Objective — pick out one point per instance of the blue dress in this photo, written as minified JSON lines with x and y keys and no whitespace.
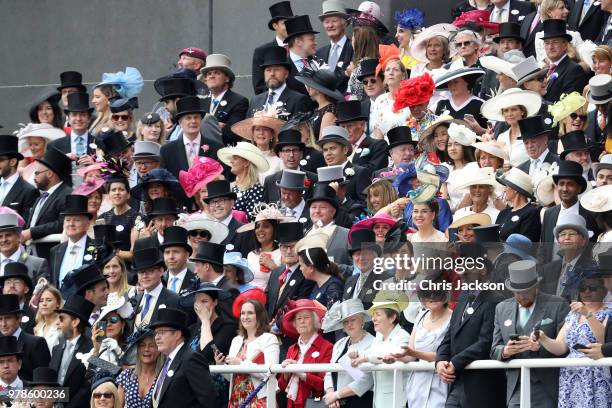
{"x":130,"y":385}
{"x":588,"y":387}
{"x":329,"y":293}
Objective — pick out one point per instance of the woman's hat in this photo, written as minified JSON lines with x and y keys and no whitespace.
{"x":209,"y":252}
{"x":147,"y":258}
{"x":544,"y":184}
{"x":44,"y":130}
{"x":573,"y":142}
{"x":200,"y":221}
{"x":264,"y":211}
{"x":598,"y":200}
{"x":292,"y":180}
{"x":279,"y":11}
{"x":323,"y":80}
{"x":509,"y":30}
{"x":9,"y":146}
{"x":400,"y":135}
{"x":527,"y":70}
{"x":124,"y":104}
{"x":492,"y":109}
{"x":323,"y":192}
{"x":600,"y":91}
{"x":78,"y":102}
{"x":83,"y":171}
{"x":118,"y":304}
{"x":57,"y":162}
{"x":418,"y":47}
{"x":112,"y":141}
{"x":163,"y":206}
{"x":43,"y":376}
{"x":203,"y":171}
{"x":481,"y":176}
{"x":377,"y":219}
{"x":290,"y":232}
{"x":567,"y":104}
{"x":477,"y":19}
{"x":492,"y":147}
{"x":9,"y":347}
{"x":158,"y":175}
{"x":571,"y":221}
{"x":172,"y":87}
{"x":573,"y":170}
{"x":503,"y":65}
{"x":247,"y":151}
{"x":251,"y":294}
{"x":275,"y":55}
{"x":176,"y":236}
{"x":554,"y":28}
{"x":87,"y":275}
{"x":293,"y":308}
{"x":333,"y":8}
{"x":220,"y":62}
{"x":17,"y":270}
{"x":361,"y":239}
{"x":71,"y":79}
{"x":519,"y":181}
{"x":236,"y":260}
{"x":78,"y":307}
{"x":187,"y":296}
{"x":335,"y":134}
{"x":519,"y":245}
{"x":368,"y":14}
{"x":218,"y":189}
{"x":413,"y":92}
{"x":462,"y":134}
{"x":130,"y":356}
{"x":169,"y":317}
{"x":188,"y":105}
{"x":341,"y":311}
{"x":76,"y":205}
{"x":312,"y":241}
{"x":350,"y":111}
{"x":269,"y":117}
{"x":397,"y":301}
{"x":51,"y":95}
{"x":470,"y":218}
{"x":427,"y":135}
{"x":454,"y":72}
{"x":532,"y":127}
{"x":298,"y":25}
{"x":522,"y":276}
{"x":289,"y":137}
{"x":150,"y":118}
{"x":367,"y":67}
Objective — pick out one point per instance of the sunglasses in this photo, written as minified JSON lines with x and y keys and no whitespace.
{"x":590,"y":288}
{"x":113,"y":320}
{"x":120,"y":117}
{"x":463,"y":44}
{"x":106,"y":395}
{"x":199,"y":233}
{"x":370,"y":81}
{"x":575,"y":116}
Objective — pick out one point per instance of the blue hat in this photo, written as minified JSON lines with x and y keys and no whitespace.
{"x":236,"y":260}
{"x":519,"y":245}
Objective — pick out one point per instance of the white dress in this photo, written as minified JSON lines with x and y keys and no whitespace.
{"x":384,"y":117}
{"x":516,"y":151}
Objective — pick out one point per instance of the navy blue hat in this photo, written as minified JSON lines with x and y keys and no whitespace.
{"x":123,"y":104}
{"x":156,"y":176}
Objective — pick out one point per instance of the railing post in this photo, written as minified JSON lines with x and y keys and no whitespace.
{"x":525,"y":387}
{"x":271,"y":392}
{"x":398,"y":388}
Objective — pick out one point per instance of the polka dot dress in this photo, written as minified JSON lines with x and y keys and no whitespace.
{"x":130,"y":385}
{"x":246,"y":200}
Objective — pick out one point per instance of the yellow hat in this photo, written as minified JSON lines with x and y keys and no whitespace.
{"x":397,"y":301}
{"x":568,"y":104}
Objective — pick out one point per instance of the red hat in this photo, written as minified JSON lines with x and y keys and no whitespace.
{"x":251,"y":294}
{"x":413,"y":92}
{"x":194,"y":52}
{"x":293,"y":307}
{"x":477,"y":17}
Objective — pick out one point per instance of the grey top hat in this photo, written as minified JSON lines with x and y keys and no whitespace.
{"x":150,"y":150}
{"x":333,"y":8}
{"x":9,"y":222}
{"x":522,"y":276}
{"x":330,"y":173}
{"x":601,"y":89}
{"x":571,"y":221}
{"x":527,"y":70}
{"x":220,"y":62}
{"x":335,"y":134}
{"x":341,"y":311}
{"x":292,"y":180}
{"x":604,"y":163}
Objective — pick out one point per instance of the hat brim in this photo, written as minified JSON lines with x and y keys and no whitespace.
{"x":603,"y":101}
{"x":418,"y":46}
{"x":492,"y":109}
{"x":62,"y":175}
{"x":466,"y":73}
{"x":92,"y":282}
{"x":598,"y":200}
{"x":582,"y":230}
{"x":332,"y":202}
{"x":278,"y":146}
{"x":492,"y":150}
{"x":369,"y":245}
{"x":297,"y":188}
{"x":565,"y":152}
{"x":158,"y":263}
{"x":281,"y":63}
{"x":338,"y":326}
{"x":333,"y":14}
{"x":244,"y":128}
{"x":275,"y":19}
{"x":179,"y":115}
{"x":497,"y":39}
{"x":251,"y":225}
{"x":24,"y":278}
{"x":74,"y":314}
{"x":332,"y":93}
{"x":222,"y":68}
{"x":537,"y":74}
{"x":472,"y":219}
{"x":187,"y":298}
{"x":337,"y":139}
{"x":287,"y":326}
{"x":185,"y":245}
{"x":524,"y":287}
{"x":173,"y":325}
{"x":218,"y":231}
{"x":258,"y":160}
{"x":11,"y":312}
{"x":579,"y":179}
{"x":515,"y":187}
{"x":568,"y":37}
{"x":67,"y":110}
{"x":80,"y":86}
{"x":84,"y":213}
{"x":211,"y":261}
{"x":139,"y":188}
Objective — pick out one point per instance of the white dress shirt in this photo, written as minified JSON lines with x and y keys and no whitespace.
{"x":14,"y":257}
{"x":534,"y":165}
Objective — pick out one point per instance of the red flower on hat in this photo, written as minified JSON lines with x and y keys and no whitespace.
{"x":203,"y":171}
{"x":477,"y":17}
{"x":413,"y":92}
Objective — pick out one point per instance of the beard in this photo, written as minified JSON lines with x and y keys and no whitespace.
{"x":42,"y":184}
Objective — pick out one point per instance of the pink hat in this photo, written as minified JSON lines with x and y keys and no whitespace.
{"x":7,"y":210}
{"x":203,"y":171}
{"x":88,"y":187}
{"x":84,"y":170}
{"x":369,"y":223}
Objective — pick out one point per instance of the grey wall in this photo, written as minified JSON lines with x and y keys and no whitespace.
{"x":41,"y":38}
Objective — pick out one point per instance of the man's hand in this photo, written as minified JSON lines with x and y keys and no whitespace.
{"x":26,"y":235}
{"x":446,"y":371}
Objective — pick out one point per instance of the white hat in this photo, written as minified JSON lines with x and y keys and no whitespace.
{"x":461,"y":134}
{"x":544,"y":183}
{"x":503,"y":65}
{"x":419,"y":43}
{"x":313,"y":240}
{"x":482,"y":176}
{"x":341,"y":311}
{"x":598,"y":200}
{"x":264,"y":211}
{"x":248,"y":152}
{"x":519,"y":181}
{"x":493,"y":147}
{"x":44,"y":130}
{"x":461,"y":219}
{"x":118,"y":304}
{"x":492,"y":109}
{"x":199,"y":221}
{"x":220,"y":62}
{"x":333,"y":8}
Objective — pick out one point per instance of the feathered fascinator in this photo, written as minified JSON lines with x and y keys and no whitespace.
{"x":203,"y":171}
{"x":479,"y":18}
{"x":114,"y":169}
{"x":411,"y":19}
{"x":413,"y":92}
{"x":387,"y":53}
{"x":127,"y":84}
{"x":567,"y":104}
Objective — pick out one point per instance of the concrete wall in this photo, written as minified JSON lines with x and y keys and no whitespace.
{"x":41,"y":38}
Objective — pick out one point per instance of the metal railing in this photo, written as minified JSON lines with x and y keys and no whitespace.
{"x":525,"y":365}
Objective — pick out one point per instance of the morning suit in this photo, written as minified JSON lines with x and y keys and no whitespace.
{"x":358,"y":182}
{"x":56,"y":258}
{"x":75,"y":380}
{"x":271,"y":192}
{"x":166,"y":297}
{"x":344,"y":60}
{"x":174,"y":156}
{"x":21,"y":197}
{"x":517,"y":11}
{"x":590,"y":25}
{"x":374,"y":158}
{"x":258,"y":80}
{"x":293,"y":102}
{"x":64,"y":144}
{"x":35,"y":354}
{"x":566,"y":78}
{"x":231,"y":109}
{"x":549,"y":158}
{"x":337,"y":246}
{"x":296,"y":287}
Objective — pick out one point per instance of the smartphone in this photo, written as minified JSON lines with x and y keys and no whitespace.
{"x":101,"y":326}
{"x":515,"y":337}
{"x":468,"y":116}
{"x":579,"y":346}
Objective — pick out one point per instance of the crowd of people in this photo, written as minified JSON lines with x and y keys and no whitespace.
{"x":139,"y":250}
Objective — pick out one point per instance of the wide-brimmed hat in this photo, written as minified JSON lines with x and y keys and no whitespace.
{"x":83,"y":171}
{"x":275,"y":55}
{"x":575,"y":222}
{"x":419,"y":43}
{"x":600,"y":91}
{"x":492,"y":147}
{"x":349,"y":111}
{"x":376,"y":219}
{"x":202,"y":171}
{"x":71,"y":79}
{"x":43,"y":376}
{"x":519,"y":245}
{"x":462,"y":134}
{"x":9,"y":146}
{"x":522,"y":276}
{"x":509,"y":30}
{"x":176,"y":236}
{"x":527,"y":70}
{"x":9,"y":222}
{"x":112,"y":141}
{"x":544,"y":183}
{"x":400,"y":135}
{"x":367,"y":67}
{"x":209,"y":252}
{"x":118,"y":304}
{"x":312,"y":241}
{"x":477,"y":19}
{"x":458,"y":71}
{"x":130,"y":355}
{"x":503,"y":65}
{"x":199,"y":221}
{"x":78,"y":307}
{"x":9,"y":347}
{"x":323,"y":192}
{"x":427,"y":134}
{"x":250,"y":294}
{"x":247,"y":151}
{"x":519,"y":181}
{"x":159,"y":175}
{"x":598,"y":200}
{"x":76,"y":205}
{"x":470,"y":218}
{"x":292,"y":180}
{"x":573,"y":142}
{"x":17,"y":270}
{"x":289,"y":137}
{"x":333,"y":8}
{"x":171,"y":87}
{"x":44,"y":130}
{"x":170,"y":317}
{"x":163,"y":206}
{"x":335,"y":134}
{"x":290,"y":232}
{"x":86,"y":276}
{"x":341,"y":311}
{"x":51,"y":95}
{"x":565,"y":106}
{"x":220,"y":62}
{"x":144,"y":149}
{"x":492,"y":109}
{"x":323,"y":80}
{"x":267,"y":117}
{"x":554,"y":28}
{"x":188,"y":105}
{"x":480,"y":176}
{"x":361,"y":239}
{"x":187,"y":296}
{"x":604,"y":163}
{"x":57,"y":162}
{"x":294,"y":307}
{"x":78,"y":102}
{"x":264,"y":211}
{"x":147,"y":258}
{"x":218,"y":189}
{"x":397,"y":301}
{"x":298,"y":25}
{"x":279,"y":11}
{"x":573,"y":170}
{"x":236,"y":260}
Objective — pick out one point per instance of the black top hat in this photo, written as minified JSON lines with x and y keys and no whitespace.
{"x":279,"y":11}
{"x":169,"y":317}
{"x":106,"y":234}
{"x":147,"y":258}
{"x":290,"y":232}
{"x":78,"y":102}
{"x":19,"y":271}
{"x":298,"y":25}
{"x":209,"y":252}
{"x":487,"y":233}
{"x":163,"y":206}
{"x":57,"y":162}
{"x":275,"y":55}
{"x":573,"y":142}
{"x":79,"y":307}
{"x":400,"y":135}
{"x":71,"y":79}
{"x":171,"y":88}
{"x":218,"y":189}
{"x":112,"y":141}
{"x":532,"y":127}
{"x":364,"y":239}
{"x":44,"y":376}
{"x":176,"y":236}
{"x":8,"y":346}
{"x":9,"y":304}
{"x":188,"y":105}
{"x":323,"y":192}
{"x":76,"y":205}
{"x":289,"y":137}
{"x":573,"y":170}
{"x":9,"y":146}
{"x":509,"y":30}
{"x":555,"y":28}
{"x":292,"y":180}
{"x":323,"y":80}
{"x":368,"y":67}
{"x":349,"y":111}
{"x":86,"y":276}
{"x":124,"y":104}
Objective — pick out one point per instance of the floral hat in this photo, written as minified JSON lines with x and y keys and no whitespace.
{"x":203,"y":170}
{"x":270,"y":117}
{"x":265,"y":211}
{"x":413,"y":92}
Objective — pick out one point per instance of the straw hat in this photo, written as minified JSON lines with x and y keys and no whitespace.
{"x":419,"y":43}
{"x":492,"y":147}
{"x":519,"y":181}
{"x":248,"y":152}
{"x":567,"y":104}
{"x":470,"y":218}
{"x":482,"y":176}
{"x":199,"y":221}
{"x":341,"y":311}
{"x":397,"y":301}
{"x":598,"y":200}
{"x":44,"y":130}
{"x":264,"y":211}
{"x":492,"y":109}
{"x":267,"y":118}
{"x":311,"y":241}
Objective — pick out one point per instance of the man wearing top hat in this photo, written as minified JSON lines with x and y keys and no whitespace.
{"x":529,"y":309}
{"x":276,"y":70}
{"x":15,"y":192}
{"x":92,"y":285}
{"x":223,"y":103}
{"x":77,"y":250}
{"x":16,"y":281}
{"x":73,"y":321}
{"x":373,"y":86}
{"x":535,"y":139}
{"x":11,"y":360}
{"x":301,"y":42}
{"x":148,"y":263}
{"x":44,"y":378}
{"x":575,"y":148}
{"x":77,"y":145}
{"x":163,"y":214}
{"x":279,"y":12}
{"x":339,"y":52}
{"x":564,"y":75}
{"x":600,"y":95}
{"x":176,"y":250}
{"x":586,"y":17}
{"x":70,"y":82}
{"x":34,"y":348}
{"x":146,"y":158}
{"x":12,"y":251}
{"x":292,"y":186}
{"x":52,"y":178}
{"x":401,"y":149}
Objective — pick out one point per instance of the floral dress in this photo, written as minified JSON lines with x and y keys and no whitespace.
{"x":130,"y":385}
{"x":246,"y":200}
{"x":584,"y":386}
{"x":242,"y":386}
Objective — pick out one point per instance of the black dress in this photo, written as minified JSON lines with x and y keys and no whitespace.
{"x":524,"y":221}
{"x":126,"y":220}
{"x":472,"y":107}
{"x":317,"y":117}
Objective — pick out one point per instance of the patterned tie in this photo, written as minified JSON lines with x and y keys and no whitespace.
{"x":192,"y":153}
{"x":80,"y":146}
{"x":271,"y":97}
{"x":147,"y":304}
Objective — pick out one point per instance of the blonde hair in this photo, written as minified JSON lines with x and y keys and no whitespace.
{"x":443,"y":42}
{"x":162,"y":134}
{"x":107,"y":386}
{"x":104,"y":118}
{"x":138,"y":367}
{"x":251,"y":178}
{"x":385,"y":190}
{"x":547,"y":6}
{"x":583,"y":111}
{"x":124,"y":287}
{"x":39,"y":319}
{"x":603,"y":52}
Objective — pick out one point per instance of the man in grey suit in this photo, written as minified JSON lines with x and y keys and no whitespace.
{"x":12,"y":251}
{"x":515,"y":319}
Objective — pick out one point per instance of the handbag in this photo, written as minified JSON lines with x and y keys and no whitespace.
{"x":315,"y":403}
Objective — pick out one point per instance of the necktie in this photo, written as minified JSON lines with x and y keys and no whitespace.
{"x":213,"y":105}
{"x":334,"y":55}
{"x":551,"y":69}
{"x":271,"y":97}
{"x":283,"y":276}
{"x":39,"y":206}
{"x":147,"y":304}
{"x":173,"y":282}
{"x":66,"y":358}
{"x":192,"y":153}
{"x":534,"y":167}
{"x":80,"y":146}
{"x":70,"y":264}
{"x":305,"y":63}
{"x":585,"y":8}
{"x":535,"y":22}
{"x":4,"y":189}
{"x":524,"y":314}
{"x":162,"y":377}
{"x":602,"y":120}
{"x":498,"y":15}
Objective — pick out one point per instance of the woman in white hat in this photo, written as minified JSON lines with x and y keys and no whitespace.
{"x":463,"y":226}
{"x":350,"y":317}
{"x":520,"y":216}
{"x":202,"y":227}
{"x":432,"y":47}
{"x":491,"y":154}
{"x":246,"y":162}
{"x":481,"y":186}
{"x":33,"y":141}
